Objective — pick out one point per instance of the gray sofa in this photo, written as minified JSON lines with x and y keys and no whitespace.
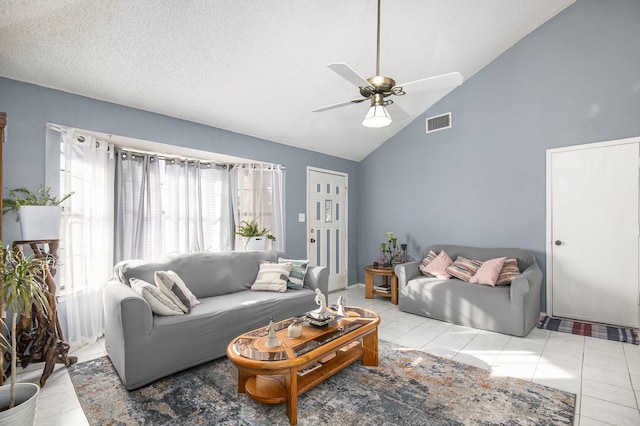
{"x":512,"y":309}
{"x":144,"y":347}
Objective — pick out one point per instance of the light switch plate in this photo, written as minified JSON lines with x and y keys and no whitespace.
{"x":301,"y":217}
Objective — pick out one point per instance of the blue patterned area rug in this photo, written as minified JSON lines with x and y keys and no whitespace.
{"x":409,"y":387}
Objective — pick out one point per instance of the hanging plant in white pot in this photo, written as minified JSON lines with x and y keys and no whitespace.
{"x":38,"y":212}
{"x":22,"y":286}
{"x":254,"y":237}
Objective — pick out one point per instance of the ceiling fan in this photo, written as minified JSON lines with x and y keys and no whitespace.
{"x":378,"y":88}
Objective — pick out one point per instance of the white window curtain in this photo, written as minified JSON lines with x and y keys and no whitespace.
{"x":86,"y":247}
{"x":170,"y":205}
{"x":196,"y":206}
{"x":259,"y":194}
{"x":138,"y":225}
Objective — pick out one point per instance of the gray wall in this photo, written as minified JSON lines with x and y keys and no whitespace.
{"x":575,"y":80}
{"x":30,"y":107}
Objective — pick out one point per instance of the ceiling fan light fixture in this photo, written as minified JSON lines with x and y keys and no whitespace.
{"x":377,"y":116}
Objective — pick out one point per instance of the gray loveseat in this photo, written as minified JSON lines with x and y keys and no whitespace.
{"x":512,"y":309}
{"x":144,"y":347}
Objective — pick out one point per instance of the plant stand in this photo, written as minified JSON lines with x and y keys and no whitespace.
{"x":40,"y":338}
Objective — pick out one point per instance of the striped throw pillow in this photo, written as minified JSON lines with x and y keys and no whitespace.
{"x":175,"y":289}
{"x":298,"y":271}
{"x":510,"y":271}
{"x":464,"y":268}
{"x":425,"y":262}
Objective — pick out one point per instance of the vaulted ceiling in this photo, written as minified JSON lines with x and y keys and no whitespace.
{"x":259,"y":67}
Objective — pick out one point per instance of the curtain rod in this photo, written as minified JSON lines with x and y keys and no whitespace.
{"x":167,"y":157}
{"x":171,"y":158}
{"x":162,"y":156}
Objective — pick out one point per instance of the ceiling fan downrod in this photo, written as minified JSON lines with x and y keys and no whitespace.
{"x":378,"y":43}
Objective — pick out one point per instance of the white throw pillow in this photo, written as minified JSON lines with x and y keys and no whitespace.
{"x":159,"y":303}
{"x":272,"y":277}
{"x":173,"y":286}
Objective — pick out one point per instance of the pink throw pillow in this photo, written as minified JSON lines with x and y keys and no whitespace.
{"x":489,"y":271}
{"x":438,"y":267}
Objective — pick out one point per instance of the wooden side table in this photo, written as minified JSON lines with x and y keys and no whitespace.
{"x":385,"y":272}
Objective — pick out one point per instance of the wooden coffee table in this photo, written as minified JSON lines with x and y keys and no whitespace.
{"x":280,"y":374}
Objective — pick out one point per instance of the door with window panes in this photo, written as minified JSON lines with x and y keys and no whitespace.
{"x":327,"y":214}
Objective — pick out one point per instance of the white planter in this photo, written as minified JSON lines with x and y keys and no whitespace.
{"x":24,"y":412}
{"x":40,"y":222}
{"x":256,"y":243}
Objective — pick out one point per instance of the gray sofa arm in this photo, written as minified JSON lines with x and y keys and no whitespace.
{"x":126,"y":310}
{"x":406,"y":272}
{"x":529,"y":282}
{"x":317,"y":277}
{"x":525,"y":297}
{"x":127,"y":318}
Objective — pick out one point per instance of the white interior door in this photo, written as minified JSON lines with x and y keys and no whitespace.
{"x":327,"y":214}
{"x":593,"y":238}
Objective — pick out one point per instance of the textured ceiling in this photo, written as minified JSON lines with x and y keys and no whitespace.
{"x":258,"y":67}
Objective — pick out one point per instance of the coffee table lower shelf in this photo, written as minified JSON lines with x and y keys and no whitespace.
{"x":272,"y":389}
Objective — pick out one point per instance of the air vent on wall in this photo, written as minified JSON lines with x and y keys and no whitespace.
{"x":439,"y":122}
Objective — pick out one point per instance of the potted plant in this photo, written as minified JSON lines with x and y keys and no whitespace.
{"x":39,"y":212}
{"x":255,"y":237}
{"x":22,"y":288}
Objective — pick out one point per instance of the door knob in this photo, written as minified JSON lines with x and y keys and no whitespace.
{"x":558,"y":242}
{"x":313,"y":240}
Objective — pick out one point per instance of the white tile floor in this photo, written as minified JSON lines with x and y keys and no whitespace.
{"x":604,"y":375}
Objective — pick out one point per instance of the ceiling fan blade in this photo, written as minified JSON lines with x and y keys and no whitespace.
{"x":443,"y":81}
{"x":341,"y":104}
{"x":346,"y":72}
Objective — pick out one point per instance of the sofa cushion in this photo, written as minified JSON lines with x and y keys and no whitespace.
{"x":243,"y":308}
{"x":464,"y":268}
{"x":458,"y":301}
{"x":170,"y":284}
{"x":206,"y":274}
{"x":218,"y":320}
{"x":438,"y":266}
{"x":425,"y":262}
{"x":272,"y":277}
{"x":298,"y":271}
{"x":510,"y":271}
{"x":489,"y":271}
{"x":160,"y":304}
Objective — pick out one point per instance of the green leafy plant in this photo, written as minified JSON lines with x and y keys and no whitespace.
{"x":25,"y":197}
{"x":250,"y":229}
{"x":22,"y":287}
